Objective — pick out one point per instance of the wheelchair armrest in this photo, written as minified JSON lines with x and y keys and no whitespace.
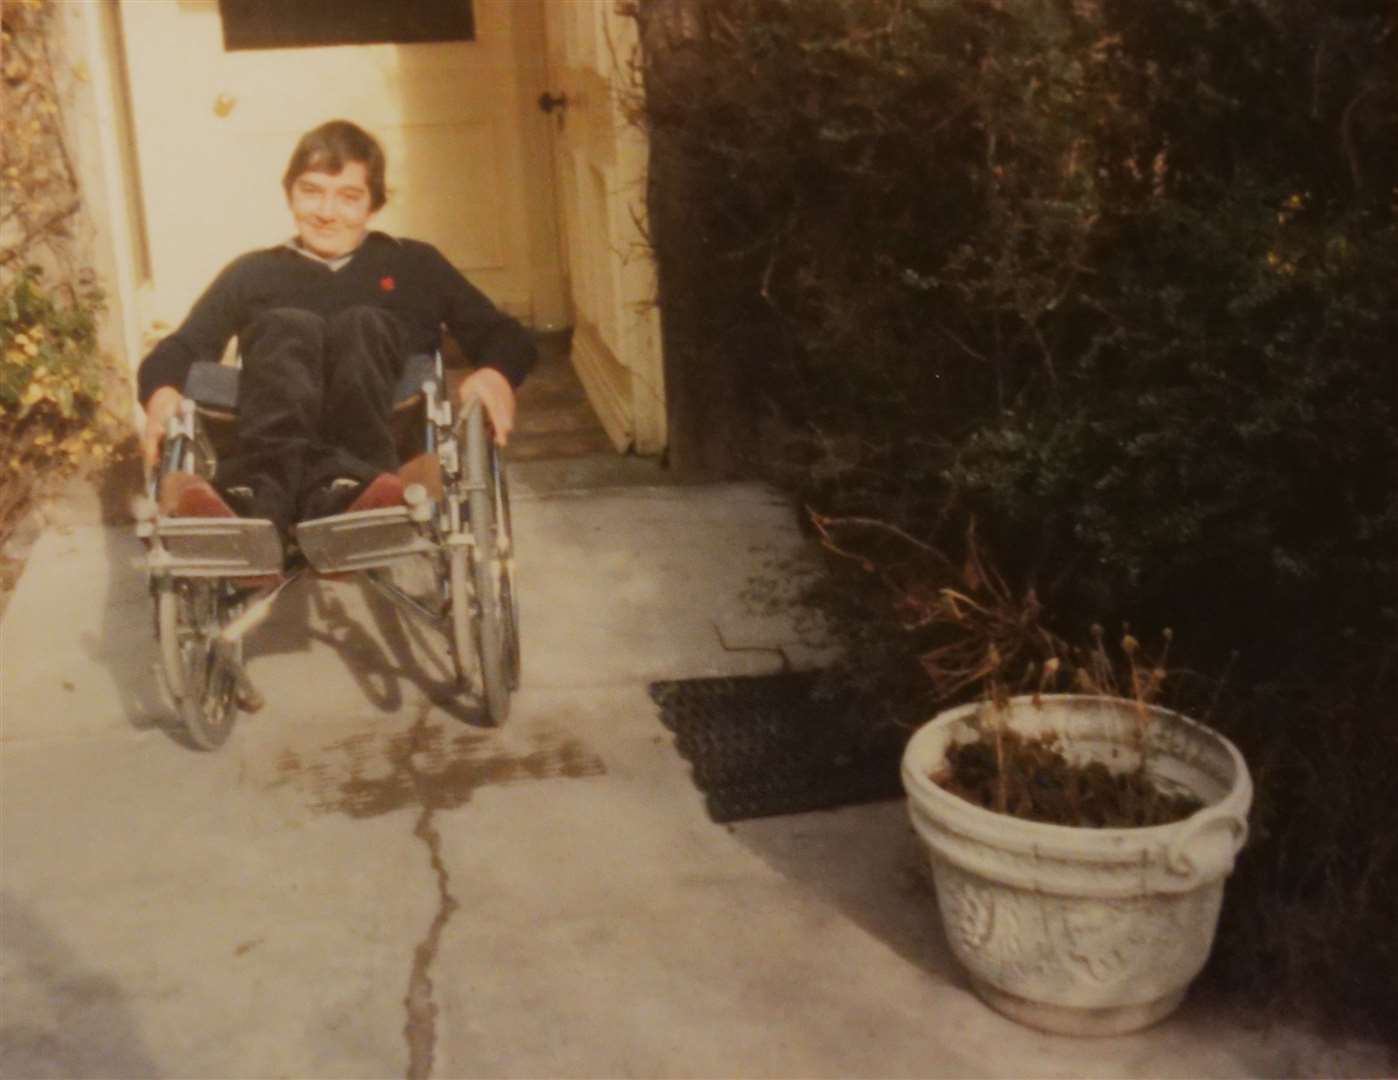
{"x":417,"y":370}
{"x":212,"y":385}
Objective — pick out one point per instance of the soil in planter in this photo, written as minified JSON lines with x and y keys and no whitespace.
{"x":1041,"y":785}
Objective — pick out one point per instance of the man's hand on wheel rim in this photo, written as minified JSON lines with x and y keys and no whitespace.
{"x":163,"y":404}
{"x":496,"y":395}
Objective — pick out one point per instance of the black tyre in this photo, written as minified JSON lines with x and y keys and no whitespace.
{"x":505,"y":552}
{"x":461,"y":605}
{"x":487,"y":567}
{"x":201,"y":672}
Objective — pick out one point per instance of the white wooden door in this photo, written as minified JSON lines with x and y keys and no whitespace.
{"x":214,"y":130}
{"x":601,"y":160}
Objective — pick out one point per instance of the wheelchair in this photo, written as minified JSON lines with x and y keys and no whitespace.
{"x":213,"y":580}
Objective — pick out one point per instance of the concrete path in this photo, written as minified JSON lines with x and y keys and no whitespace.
{"x":365,"y":883}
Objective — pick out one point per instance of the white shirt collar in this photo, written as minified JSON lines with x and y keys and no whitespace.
{"x":335,"y":263}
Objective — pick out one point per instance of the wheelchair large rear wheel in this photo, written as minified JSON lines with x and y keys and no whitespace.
{"x":461,"y":605}
{"x":505,"y":553}
{"x":200,"y":671}
{"x":493,"y":594}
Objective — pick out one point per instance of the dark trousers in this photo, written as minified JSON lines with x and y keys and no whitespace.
{"x":314,"y":401}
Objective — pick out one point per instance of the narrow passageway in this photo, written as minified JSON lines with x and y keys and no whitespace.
{"x":555,"y":419}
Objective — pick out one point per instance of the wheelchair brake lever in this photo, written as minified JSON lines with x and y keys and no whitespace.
{"x":179,"y":434}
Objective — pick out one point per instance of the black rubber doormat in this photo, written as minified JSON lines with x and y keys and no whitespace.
{"x":778,"y":744}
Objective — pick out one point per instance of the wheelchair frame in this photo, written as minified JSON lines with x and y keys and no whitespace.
{"x":214,"y":579}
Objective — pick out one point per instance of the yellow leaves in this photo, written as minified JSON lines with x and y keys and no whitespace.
{"x":1279,"y":264}
{"x":24,"y":345}
{"x":1292,"y":205}
{"x":1159,"y":169}
{"x":47,"y":386}
{"x":1104,"y":46}
{"x":27,"y":345}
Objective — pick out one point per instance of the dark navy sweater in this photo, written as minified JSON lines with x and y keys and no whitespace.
{"x":409,"y":278}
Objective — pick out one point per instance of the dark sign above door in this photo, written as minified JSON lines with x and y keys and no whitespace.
{"x":290,"y":24}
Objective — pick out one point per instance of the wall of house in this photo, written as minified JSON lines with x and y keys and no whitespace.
{"x":108,"y":232}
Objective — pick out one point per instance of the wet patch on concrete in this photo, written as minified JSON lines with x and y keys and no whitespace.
{"x":371,"y":773}
{"x":431,"y":766}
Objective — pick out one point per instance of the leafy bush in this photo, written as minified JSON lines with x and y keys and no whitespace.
{"x":1233,"y":432}
{"x":50,"y":384}
{"x":52,"y":375}
{"x":1119,"y":282}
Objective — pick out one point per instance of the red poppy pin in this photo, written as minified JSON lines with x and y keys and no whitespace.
{"x":387,"y":284}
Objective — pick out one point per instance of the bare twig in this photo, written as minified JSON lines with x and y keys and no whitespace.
{"x":963,"y":346}
{"x":1347,"y":134}
{"x":39,"y":231}
{"x":822,"y":522}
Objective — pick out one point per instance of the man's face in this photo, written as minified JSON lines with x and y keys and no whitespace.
{"x":332,"y":211}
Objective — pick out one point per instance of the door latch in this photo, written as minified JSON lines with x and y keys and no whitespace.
{"x":547,"y":102}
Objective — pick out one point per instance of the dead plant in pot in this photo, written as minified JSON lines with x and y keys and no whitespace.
{"x":1078,"y":841}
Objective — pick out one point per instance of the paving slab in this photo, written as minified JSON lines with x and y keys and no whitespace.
{"x":367,"y":882}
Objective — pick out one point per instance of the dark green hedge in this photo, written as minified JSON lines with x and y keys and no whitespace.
{"x":1120,"y":282}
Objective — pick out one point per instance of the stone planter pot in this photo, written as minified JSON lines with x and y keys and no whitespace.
{"x":1077,"y":930}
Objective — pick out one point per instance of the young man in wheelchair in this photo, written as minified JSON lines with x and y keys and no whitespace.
{"x":324,"y":324}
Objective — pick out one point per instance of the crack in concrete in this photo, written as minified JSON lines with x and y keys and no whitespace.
{"x":433,"y":771}
{"x":420,"y":1027}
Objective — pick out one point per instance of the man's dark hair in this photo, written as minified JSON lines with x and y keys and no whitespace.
{"x":332,"y":146}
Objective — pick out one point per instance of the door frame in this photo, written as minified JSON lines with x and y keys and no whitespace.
{"x":624,"y":377}
{"x":106,"y":160}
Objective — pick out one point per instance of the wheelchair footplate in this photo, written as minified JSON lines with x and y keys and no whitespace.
{"x":361,"y":540}
{"x":215,"y":547}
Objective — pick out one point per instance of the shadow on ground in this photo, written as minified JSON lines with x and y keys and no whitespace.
{"x":90,"y":1029}
{"x":864,"y":862}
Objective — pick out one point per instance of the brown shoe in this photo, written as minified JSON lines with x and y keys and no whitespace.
{"x":187,"y":495}
{"x":425,"y":469}
{"x":384,"y":490}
